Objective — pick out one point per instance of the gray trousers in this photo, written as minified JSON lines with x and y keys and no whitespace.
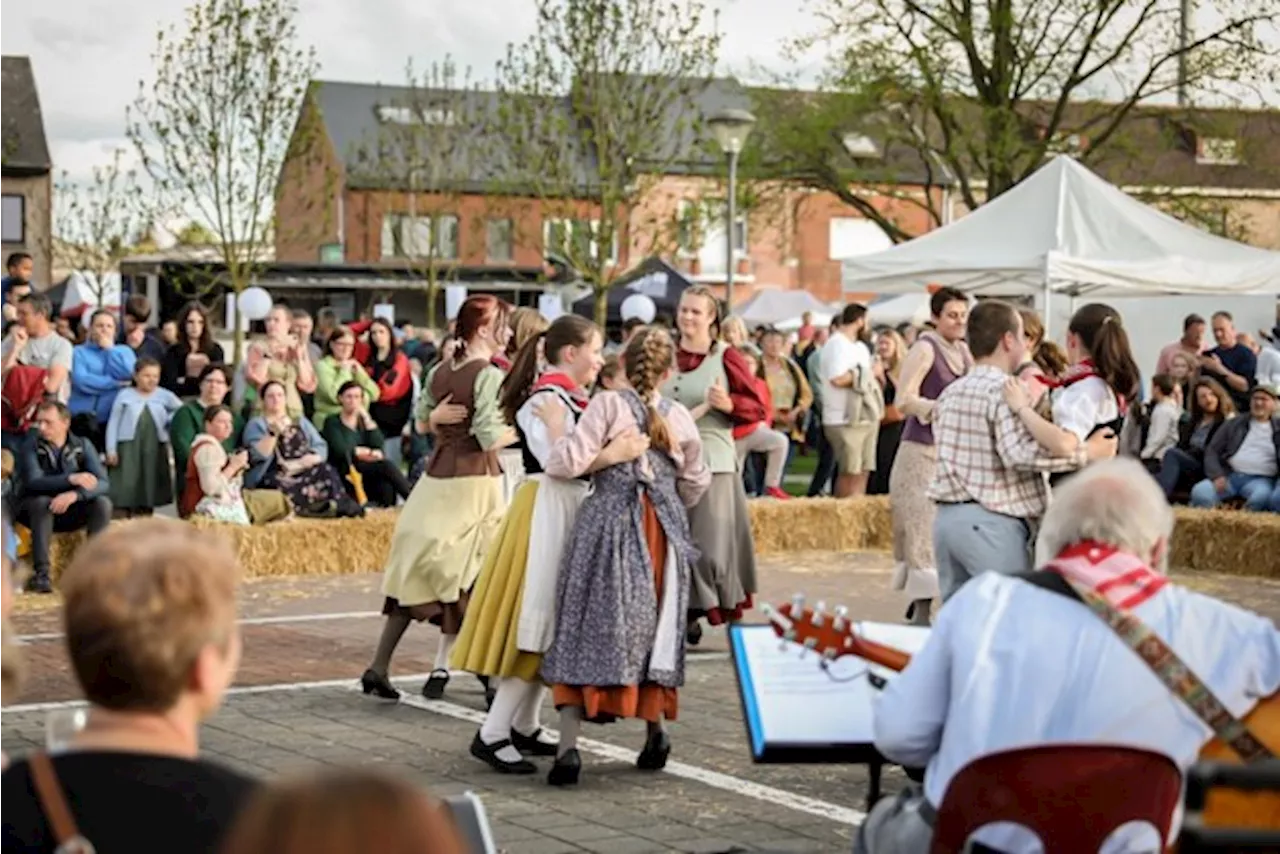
{"x":896,"y":825}
{"x":969,"y":540}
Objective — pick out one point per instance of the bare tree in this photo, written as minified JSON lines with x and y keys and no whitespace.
{"x":594,"y":109}
{"x":97,"y":222}
{"x":989,"y":90}
{"x":429,"y":144}
{"x":213,"y":126}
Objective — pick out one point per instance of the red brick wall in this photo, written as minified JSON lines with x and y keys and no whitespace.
{"x":307,"y":193}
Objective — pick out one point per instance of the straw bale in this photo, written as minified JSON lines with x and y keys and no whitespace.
{"x":822,"y":524}
{"x":311,"y":546}
{"x":1234,"y":542}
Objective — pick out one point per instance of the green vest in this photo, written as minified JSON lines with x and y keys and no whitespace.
{"x":715,"y":428}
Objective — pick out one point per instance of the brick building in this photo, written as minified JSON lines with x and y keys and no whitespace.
{"x":26,"y":171}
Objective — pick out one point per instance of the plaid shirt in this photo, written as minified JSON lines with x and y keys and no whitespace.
{"x":986,"y":454}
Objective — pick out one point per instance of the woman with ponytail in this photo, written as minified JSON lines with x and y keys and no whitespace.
{"x":621,"y":598}
{"x":511,"y":616}
{"x":454,"y":511}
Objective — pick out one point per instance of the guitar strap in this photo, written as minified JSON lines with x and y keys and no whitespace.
{"x":1163,"y":661}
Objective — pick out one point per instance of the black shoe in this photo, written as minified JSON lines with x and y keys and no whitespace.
{"x":693,"y":634}
{"x":656,"y":750}
{"x":531,"y":745}
{"x":376,"y":683}
{"x":566,"y":770}
{"x":488,"y":753}
{"x":434,"y":687}
{"x":39,"y":583}
{"x":490,"y":692}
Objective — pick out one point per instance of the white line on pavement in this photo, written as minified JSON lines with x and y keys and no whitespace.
{"x":714,"y":779}
{"x":248,"y":621}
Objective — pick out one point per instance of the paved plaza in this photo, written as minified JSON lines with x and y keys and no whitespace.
{"x":296,"y":706}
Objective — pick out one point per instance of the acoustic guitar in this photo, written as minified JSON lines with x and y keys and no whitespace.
{"x":832,"y":636}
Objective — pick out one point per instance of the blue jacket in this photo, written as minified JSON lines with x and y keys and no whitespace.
{"x":45,"y":469}
{"x":123,"y":425}
{"x":97,"y":375}
{"x":256,"y":430}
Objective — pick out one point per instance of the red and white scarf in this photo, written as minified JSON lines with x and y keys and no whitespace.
{"x":1082,"y":370}
{"x":562,"y":381}
{"x":1122,"y":579}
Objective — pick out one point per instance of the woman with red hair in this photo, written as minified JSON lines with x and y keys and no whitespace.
{"x":455,"y":509}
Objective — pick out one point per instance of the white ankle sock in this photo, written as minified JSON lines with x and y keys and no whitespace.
{"x":497,"y":724}
{"x":570,"y":723}
{"x":442,"y":652}
{"x":528,"y":717}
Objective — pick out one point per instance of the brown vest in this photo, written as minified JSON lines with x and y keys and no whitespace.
{"x":457,"y":452}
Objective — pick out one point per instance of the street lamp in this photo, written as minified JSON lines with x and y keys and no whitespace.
{"x":731,"y":129}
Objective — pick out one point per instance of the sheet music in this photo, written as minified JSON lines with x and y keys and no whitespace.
{"x":791,"y":700}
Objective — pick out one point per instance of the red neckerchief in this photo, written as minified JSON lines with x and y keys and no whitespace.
{"x":1119,"y":577}
{"x":562,"y":381}
{"x":501,"y":362}
{"x":1082,"y":370}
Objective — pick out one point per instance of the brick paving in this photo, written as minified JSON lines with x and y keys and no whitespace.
{"x":616,"y":809}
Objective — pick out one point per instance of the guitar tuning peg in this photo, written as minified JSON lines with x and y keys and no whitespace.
{"x":829,"y":654}
{"x":766,"y":609}
{"x":839,"y":621}
{"x":819,"y":611}
{"x":789,"y":635}
{"x":797,"y":603}
{"x":810,"y":643}
{"x":841,"y":611}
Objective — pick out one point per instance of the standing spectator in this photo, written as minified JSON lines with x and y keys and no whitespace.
{"x":280,"y":357}
{"x":169,"y":333}
{"x":355,"y":442}
{"x":788,"y":388}
{"x":1191,"y":343}
{"x":145,"y":341}
{"x":1184,"y":374}
{"x":16,"y":283}
{"x":188,"y":421}
{"x":1046,"y":363}
{"x":150,"y":623}
{"x":1230,"y":363}
{"x":1268,"y":372}
{"x":138,"y":443}
{"x":185,"y":360}
{"x":99,"y":369}
{"x":326,"y":322}
{"x":338,"y":367}
{"x":34,"y":342}
{"x":824,"y":473}
{"x":64,"y":488}
{"x":851,"y":401}
{"x":1243,"y":459}
{"x":759,"y":437}
{"x":806,"y":331}
{"x":1183,"y":466}
{"x":388,"y":366}
{"x":891,"y":352}
{"x":304,"y":330}
{"x":1162,"y":422}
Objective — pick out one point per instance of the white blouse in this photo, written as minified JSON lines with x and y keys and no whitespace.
{"x":534,"y":430}
{"x":1083,"y":405}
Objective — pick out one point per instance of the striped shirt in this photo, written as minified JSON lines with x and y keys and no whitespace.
{"x":986,"y":454}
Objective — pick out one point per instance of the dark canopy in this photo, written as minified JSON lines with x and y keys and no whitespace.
{"x":652,"y":277}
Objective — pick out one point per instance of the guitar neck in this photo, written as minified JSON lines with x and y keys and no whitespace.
{"x":885,"y":656}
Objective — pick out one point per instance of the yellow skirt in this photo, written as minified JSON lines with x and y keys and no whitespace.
{"x":487,"y":643}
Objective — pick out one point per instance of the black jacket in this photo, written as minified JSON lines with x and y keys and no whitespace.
{"x":1228,"y":440}
{"x":45,"y":469}
{"x":1186,"y":427}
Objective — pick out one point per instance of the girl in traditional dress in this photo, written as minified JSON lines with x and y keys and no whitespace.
{"x":716,"y":385}
{"x":511,"y":615}
{"x":935,"y":361}
{"x":138,"y":443}
{"x":622,"y":595}
{"x":454,"y":511}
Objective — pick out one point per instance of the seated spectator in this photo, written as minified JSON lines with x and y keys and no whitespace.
{"x":344,"y":812}
{"x":1243,"y":459}
{"x":1184,"y":371}
{"x":99,"y":369}
{"x":1268,"y":372}
{"x":388,"y":366}
{"x":1163,"y":419}
{"x":1230,"y":363}
{"x":286,"y":453}
{"x":338,"y":367}
{"x":356,"y":442}
{"x":1064,"y":674}
{"x":144,"y":340}
{"x":32,"y":342}
{"x":185,"y":360}
{"x":188,"y":422}
{"x":64,"y":488}
{"x":1183,"y":466}
{"x":280,"y":357}
{"x":214,"y":483}
{"x":303,"y":329}
{"x":169,"y":333}
{"x":138,"y":443}
{"x":150,"y":622}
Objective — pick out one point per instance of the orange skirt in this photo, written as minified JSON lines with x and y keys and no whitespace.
{"x":648,"y":701}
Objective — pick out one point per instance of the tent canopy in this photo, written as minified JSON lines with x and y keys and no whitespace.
{"x":652,"y":277}
{"x":81,"y":294}
{"x":904,"y":308}
{"x":1066,"y":230}
{"x":776,"y":307}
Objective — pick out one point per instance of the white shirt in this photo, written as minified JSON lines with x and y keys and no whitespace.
{"x":1268,"y":372}
{"x":1082,"y":406}
{"x":536,"y":439}
{"x":1011,"y":665}
{"x":1162,"y":431}
{"x":839,"y":356}
{"x":1257,"y":453}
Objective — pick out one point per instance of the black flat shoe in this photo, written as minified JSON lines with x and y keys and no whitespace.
{"x":656,"y":750}
{"x":693,"y":634}
{"x":566,"y":770}
{"x":490,"y":692}
{"x":488,"y":754}
{"x":531,"y":745}
{"x":433,"y":689}
{"x":376,"y":683}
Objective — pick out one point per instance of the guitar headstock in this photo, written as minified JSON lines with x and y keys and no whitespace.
{"x":828,"y":634}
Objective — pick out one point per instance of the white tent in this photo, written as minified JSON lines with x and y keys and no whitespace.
{"x":903,"y":308}
{"x":85,"y":295}
{"x":1066,"y":230}
{"x":777,"y":307}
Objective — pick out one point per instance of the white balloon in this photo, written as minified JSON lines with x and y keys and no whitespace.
{"x":255,"y":303}
{"x":640,"y":307}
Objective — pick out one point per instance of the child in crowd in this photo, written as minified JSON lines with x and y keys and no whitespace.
{"x":138,"y":442}
{"x":1162,"y":422}
{"x":760,"y":437}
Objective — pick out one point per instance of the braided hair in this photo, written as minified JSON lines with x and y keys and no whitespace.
{"x":648,"y":357}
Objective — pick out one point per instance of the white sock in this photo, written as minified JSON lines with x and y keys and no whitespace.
{"x":570,"y":723}
{"x":442,"y":652}
{"x":528,"y":718}
{"x":497,"y":724}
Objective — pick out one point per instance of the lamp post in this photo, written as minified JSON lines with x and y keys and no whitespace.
{"x":731,"y":128}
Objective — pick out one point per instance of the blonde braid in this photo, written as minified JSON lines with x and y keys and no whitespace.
{"x":648,"y":357}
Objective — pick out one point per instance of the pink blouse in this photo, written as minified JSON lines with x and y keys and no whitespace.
{"x":607,"y":417}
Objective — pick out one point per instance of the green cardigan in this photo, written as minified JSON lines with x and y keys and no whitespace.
{"x":330,"y":378}
{"x":343,"y":441}
{"x":187,"y":423}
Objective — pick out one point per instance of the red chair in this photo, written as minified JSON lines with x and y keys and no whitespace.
{"x":1071,"y":795}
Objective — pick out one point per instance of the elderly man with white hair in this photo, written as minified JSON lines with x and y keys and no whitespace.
{"x":1019,"y":660}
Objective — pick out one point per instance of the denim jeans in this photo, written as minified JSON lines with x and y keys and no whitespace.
{"x":1258,"y":492}
{"x":1178,"y":468}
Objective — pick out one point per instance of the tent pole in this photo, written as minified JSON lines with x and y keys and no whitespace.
{"x":1046,"y":312}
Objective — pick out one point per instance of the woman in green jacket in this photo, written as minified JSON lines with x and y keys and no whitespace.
{"x":355,"y":442}
{"x":188,"y":422}
{"x":338,"y":367}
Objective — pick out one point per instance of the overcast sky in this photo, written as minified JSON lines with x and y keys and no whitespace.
{"x":89,"y":55}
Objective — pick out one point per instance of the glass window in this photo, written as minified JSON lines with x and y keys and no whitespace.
{"x":498,"y":240}
{"x":447,"y":236}
{"x":13,"y":219}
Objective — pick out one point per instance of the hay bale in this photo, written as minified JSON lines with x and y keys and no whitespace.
{"x":1233,"y":542}
{"x":311,"y":546}
{"x":822,"y":524}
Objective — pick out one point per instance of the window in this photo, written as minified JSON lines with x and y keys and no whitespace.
{"x":498,"y":240}
{"x":1216,"y":151}
{"x":397,"y":115}
{"x":447,"y":236}
{"x":406,"y":236}
{"x":13,"y":219}
{"x":575,"y":239}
